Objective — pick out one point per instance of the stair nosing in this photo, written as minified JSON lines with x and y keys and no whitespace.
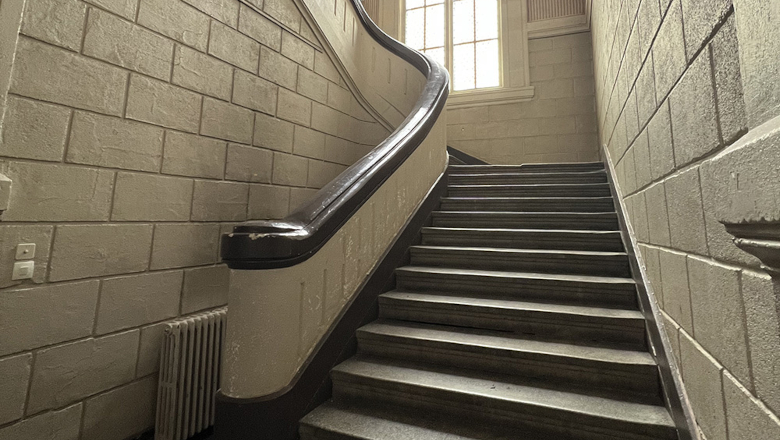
{"x":517,"y":275}
{"x":578,"y":404}
{"x":521,"y":251}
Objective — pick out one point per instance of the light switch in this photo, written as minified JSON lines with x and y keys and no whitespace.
{"x":23,"y":270}
{"x":25,"y":251}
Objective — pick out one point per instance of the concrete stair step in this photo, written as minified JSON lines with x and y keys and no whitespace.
{"x":581,"y":325}
{"x":492,"y":400}
{"x":617,"y":374}
{"x":476,"y":178}
{"x":611,"y":264}
{"x":528,"y":204}
{"x":528,"y":168}
{"x":332,"y":421}
{"x":531,"y":190}
{"x":561,"y":288}
{"x":599,"y":221}
{"x":604,"y":241}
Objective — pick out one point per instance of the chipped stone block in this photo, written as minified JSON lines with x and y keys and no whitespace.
{"x":34,"y":130}
{"x":15,"y":374}
{"x":64,"y":424}
{"x":701,"y":375}
{"x":748,"y":418}
{"x":254,"y":92}
{"x":175,"y":20}
{"x":162,"y":104}
{"x":694,"y":116}
{"x":260,"y":28}
{"x":201,"y":73}
{"x":193,"y":156}
{"x":47,"y":315}
{"x":248,"y":164}
{"x":233,"y":47}
{"x":669,"y":52}
{"x":115,"y":143}
{"x":183,"y":245}
{"x":119,"y":42}
{"x":223,"y":120}
{"x":719,"y":314}
{"x":273,"y":133}
{"x":290,"y":170}
{"x":268,"y":202}
{"x":149,"y":197}
{"x":219,"y":201}
{"x":205,"y":288}
{"x":686,"y":213}
{"x":677,"y":293}
{"x":135,"y":300}
{"x":51,"y":74}
{"x":59,"y":22}
{"x":121,"y":413}
{"x":70,"y":372}
{"x":57,"y":192}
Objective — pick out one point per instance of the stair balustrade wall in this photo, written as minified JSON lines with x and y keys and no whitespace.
{"x":677,"y":83}
{"x":136,"y":133}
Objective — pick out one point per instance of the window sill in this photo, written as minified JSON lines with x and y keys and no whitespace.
{"x":479,"y":98}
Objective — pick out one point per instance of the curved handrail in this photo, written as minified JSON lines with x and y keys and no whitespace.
{"x":282,"y":243}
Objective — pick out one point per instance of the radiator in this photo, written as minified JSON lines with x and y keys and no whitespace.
{"x":189,"y":375}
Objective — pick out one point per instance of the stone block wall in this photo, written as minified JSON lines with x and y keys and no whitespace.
{"x":671,"y":90}
{"x":136,"y":133}
{"x":557,"y":125}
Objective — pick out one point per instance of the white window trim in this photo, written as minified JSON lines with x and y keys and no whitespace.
{"x":504,"y":94}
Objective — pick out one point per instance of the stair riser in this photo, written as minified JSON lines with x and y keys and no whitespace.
{"x":498,"y":240}
{"x":551,"y":205}
{"x":594,"y":295}
{"x":311,"y":433}
{"x":530,"y":178}
{"x":629,"y":383}
{"x":598,"y":266}
{"x":539,"y":420}
{"x":538,"y":222}
{"x":508,"y":191}
{"x":473,"y":169}
{"x":602,"y":332}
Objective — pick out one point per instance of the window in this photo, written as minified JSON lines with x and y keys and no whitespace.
{"x":463,"y":35}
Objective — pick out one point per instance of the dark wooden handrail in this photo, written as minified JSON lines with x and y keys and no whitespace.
{"x":282,"y":243}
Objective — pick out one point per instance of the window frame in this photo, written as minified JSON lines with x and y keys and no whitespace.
{"x":449,"y":46}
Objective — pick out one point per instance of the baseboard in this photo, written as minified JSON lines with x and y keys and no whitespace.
{"x":465,"y":157}
{"x":276,"y":418}
{"x":671,"y":379}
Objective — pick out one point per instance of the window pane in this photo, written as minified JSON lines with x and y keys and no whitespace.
{"x":487,"y":19}
{"x":462,"y":21}
{"x":433,"y":2}
{"x":411,"y":4}
{"x":463,"y":66}
{"x":487,"y":64}
{"x":437,"y":54}
{"x":434,"y":26}
{"x":415,"y":28}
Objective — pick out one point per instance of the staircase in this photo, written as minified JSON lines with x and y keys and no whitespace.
{"x":516,"y":319}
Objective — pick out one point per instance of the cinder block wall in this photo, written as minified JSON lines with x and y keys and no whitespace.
{"x":670,"y":97}
{"x":136,"y":133}
{"x":557,"y":125}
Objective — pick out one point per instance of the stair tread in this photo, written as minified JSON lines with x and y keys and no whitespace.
{"x":537,"y":198}
{"x":518,"y":275}
{"x":487,"y":388}
{"x":513,"y":305}
{"x":583,"y":232}
{"x":472,"y":338}
{"x":528,"y":185}
{"x":480,"y":173}
{"x":529,"y":214}
{"x":515,"y":251}
{"x":371,"y":425}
